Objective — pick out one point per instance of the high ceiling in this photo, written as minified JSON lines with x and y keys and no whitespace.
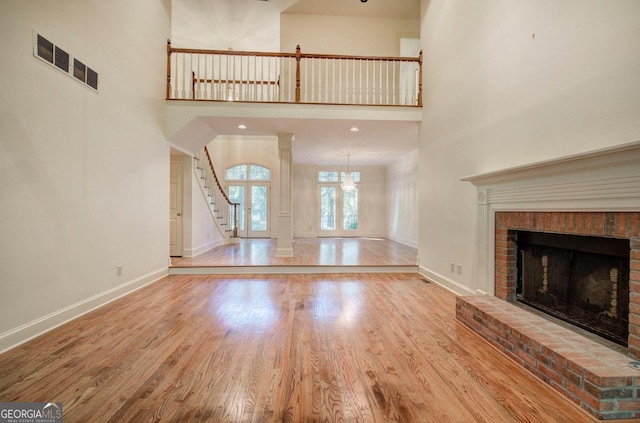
{"x":408,"y":9}
{"x":234,"y":23}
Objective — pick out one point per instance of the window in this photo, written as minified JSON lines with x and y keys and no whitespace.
{"x":328,"y":208}
{"x":338,"y":208}
{"x":259,"y":173}
{"x":356,"y":176}
{"x":237,"y":173}
{"x":256,"y":173}
{"x":248,"y":186}
{"x":350,"y":210}
{"x":326,"y":176}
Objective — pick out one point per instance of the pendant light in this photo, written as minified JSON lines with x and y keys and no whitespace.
{"x":347,"y":184}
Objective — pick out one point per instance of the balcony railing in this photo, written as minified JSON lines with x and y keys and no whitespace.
{"x":219,"y":75}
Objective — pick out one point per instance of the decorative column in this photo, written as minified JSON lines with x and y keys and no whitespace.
{"x":284,"y":246}
{"x":483,"y":277}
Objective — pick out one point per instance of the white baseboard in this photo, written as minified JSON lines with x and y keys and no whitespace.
{"x":35,"y":328}
{"x":445,"y":282}
{"x":412,"y":244}
{"x":284,"y":252}
{"x":192,"y":252}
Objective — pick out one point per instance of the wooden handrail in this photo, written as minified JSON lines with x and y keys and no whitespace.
{"x":292,"y":55}
{"x":229,"y":52}
{"x":420,"y":80}
{"x":224,"y":194}
{"x":169,"y":51}
{"x":215,"y":177}
{"x":378,"y":81}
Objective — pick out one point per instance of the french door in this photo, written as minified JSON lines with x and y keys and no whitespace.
{"x":338,"y":211}
{"x":253,"y":211}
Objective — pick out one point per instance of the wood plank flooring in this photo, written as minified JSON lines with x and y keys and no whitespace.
{"x":306,"y":252}
{"x":278,"y":348}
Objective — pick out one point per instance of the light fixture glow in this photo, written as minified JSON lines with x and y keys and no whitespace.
{"x":354,"y":129}
{"x":242,"y":126}
{"x":348,"y":184}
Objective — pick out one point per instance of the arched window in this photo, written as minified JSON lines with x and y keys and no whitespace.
{"x":255,"y":173}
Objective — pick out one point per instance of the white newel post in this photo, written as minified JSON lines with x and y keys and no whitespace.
{"x":284,"y":247}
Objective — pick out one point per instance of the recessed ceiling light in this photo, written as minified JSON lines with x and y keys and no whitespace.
{"x":355,"y":129}
{"x":242,"y":126}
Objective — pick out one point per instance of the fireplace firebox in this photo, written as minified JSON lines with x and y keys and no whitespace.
{"x":583,"y":280}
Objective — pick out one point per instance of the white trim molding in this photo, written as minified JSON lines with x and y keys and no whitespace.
{"x":192,"y":252}
{"x":35,"y":328}
{"x":601,"y":180}
{"x":445,"y":282}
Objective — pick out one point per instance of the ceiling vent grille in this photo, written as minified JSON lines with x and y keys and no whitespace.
{"x":56,"y":56}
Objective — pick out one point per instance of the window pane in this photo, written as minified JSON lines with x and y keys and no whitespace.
{"x":327,"y":208}
{"x":350,"y":210}
{"x":236,"y":195}
{"x":325,"y":176}
{"x":356,"y":176}
{"x":258,"y":208}
{"x":238,"y":173}
{"x":259,"y":173}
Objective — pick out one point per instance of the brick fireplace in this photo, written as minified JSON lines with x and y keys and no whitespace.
{"x":600,"y":224}
{"x":594,"y":194}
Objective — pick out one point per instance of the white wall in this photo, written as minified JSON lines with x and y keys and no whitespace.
{"x":402,"y":204}
{"x":345,"y":34}
{"x":199,"y":231}
{"x":245,"y":25}
{"x":85,"y":174}
{"x":509,"y":83}
{"x":372,"y":192}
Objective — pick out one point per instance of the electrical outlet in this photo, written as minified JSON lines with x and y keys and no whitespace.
{"x":453,"y":267}
{"x":459,"y":269}
{"x":119,"y":270}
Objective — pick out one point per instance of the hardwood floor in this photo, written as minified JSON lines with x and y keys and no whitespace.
{"x":307,"y":252}
{"x":295,"y":348}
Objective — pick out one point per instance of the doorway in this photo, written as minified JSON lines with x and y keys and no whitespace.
{"x":175,"y":209}
{"x":249,"y":186}
{"x":338,"y":211}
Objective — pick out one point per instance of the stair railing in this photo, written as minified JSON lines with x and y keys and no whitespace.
{"x":276,"y":77}
{"x":217,"y":197}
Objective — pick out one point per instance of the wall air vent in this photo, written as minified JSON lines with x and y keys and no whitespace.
{"x":61,"y":58}
{"x":56,"y":56}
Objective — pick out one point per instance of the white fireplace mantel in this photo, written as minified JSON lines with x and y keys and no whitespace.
{"x":600,"y":180}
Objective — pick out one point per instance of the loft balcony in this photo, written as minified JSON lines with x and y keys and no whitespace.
{"x":292,"y":78}
{"x":210,"y":92}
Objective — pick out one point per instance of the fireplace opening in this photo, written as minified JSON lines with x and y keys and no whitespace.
{"x":583,"y":280}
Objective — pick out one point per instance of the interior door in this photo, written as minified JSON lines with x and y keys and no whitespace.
{"x":175,"y":209}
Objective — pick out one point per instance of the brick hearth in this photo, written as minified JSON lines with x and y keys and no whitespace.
{"x":596,"y":377}
{"x":614,"y":225}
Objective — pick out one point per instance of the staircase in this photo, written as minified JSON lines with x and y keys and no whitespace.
{"x":222,"y":209}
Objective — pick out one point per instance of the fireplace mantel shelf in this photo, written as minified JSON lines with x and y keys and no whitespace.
{"x":621,"y":155}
